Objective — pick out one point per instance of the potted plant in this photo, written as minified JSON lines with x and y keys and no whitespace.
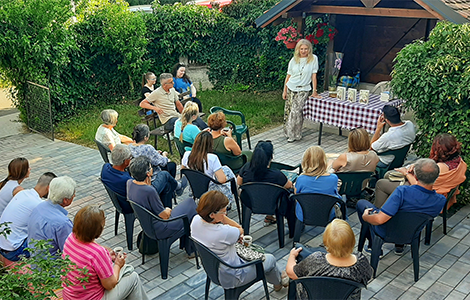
{"x":322,"y":34}
{"x":289,"y":36}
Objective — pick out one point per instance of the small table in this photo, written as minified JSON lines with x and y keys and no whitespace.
{"x":345,"y":114}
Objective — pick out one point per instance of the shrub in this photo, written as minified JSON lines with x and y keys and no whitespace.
{"x":434,"y":76}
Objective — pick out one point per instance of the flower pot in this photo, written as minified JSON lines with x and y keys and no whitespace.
{"x":291,"y":45}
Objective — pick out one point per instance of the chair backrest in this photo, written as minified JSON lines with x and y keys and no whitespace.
{"x":262,"y":197}
{"x":119,"y":201}
{"x":210,"y":261}
{"x":319,"y":287}
{"x":403,"y":227}
{"x":316,"y":208}
{"x":198,"y":181}
{"x":103,"y":151}
{"x":400,"y":155}
{"x":351,"y":182}
{"x":229,"y":112}
{"x":233,"y":162}
{"x":179,"y":146}
{"x":146,"y":219}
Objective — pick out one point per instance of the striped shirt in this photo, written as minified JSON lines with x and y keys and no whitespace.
{"x":98,"y":262}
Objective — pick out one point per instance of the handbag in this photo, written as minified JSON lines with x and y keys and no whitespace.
{"x":250,"y":253}
{"x":396,"y":176}
{"x":306,"y":251}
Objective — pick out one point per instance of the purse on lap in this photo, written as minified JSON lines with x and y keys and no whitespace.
{"x":250,"y":253}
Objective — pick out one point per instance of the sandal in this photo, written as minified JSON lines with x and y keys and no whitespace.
{"x":269,"y":220}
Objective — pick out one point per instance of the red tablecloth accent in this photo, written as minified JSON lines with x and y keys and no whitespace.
{"x":346,"y":114}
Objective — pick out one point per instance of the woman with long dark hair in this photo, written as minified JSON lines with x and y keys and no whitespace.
{"x":18,"y":170}
{"x":257,"y":170}
{"x":183,"y":84}
{"x":202,"y":159}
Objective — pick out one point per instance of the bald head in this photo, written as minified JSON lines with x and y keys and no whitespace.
{"x":426,"y":170}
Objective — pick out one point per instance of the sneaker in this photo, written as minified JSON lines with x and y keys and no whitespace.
{"x":181,"y":186}
{"x":399,"y":250}
{"x":284,"y":282}
{"x":269,"y":220}
{"x":368,"y":249}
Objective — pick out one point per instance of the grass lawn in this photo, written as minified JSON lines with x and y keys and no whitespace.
{"x":262,"y":111}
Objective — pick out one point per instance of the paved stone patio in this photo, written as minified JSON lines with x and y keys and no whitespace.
{"x":444,"y":265}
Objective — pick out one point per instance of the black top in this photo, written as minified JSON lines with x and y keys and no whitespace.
{"x":145,"y":89}
{"x":271,"y":176}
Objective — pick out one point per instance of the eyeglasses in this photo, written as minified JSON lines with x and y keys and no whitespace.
{"x":153,"y":79}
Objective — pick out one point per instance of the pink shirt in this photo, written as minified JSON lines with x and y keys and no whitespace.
{"x":98,"y":262}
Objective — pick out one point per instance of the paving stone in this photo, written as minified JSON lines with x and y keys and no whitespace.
{"x":447,"y":260}
{"x":459,"y":250}
{"x":464,"y":285}
{"x":443,"y":246}
{"x":455,"y":274}
{"x":379,"y":282}
{"x":430,"y":278}
{"x":389,"y":292}
{"x":412,"y":293}
{"x":437,"y":291}
{"x":455,"y":295}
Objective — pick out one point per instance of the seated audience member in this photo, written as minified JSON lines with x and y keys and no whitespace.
{"x":109,"y":278}
{"x":163,"y":101}
{"x":339,"y":262}
{"x":224,"y":143}
{"x":106,"y":134}
{"x":183,"y":84}
{"x":358,"y":158}
{"x":49,"y":221}
{"x":115,"y":177}
{"x":445,"y":151}
{"x":18,"y":170}
{"x":257,"y":170}
{"x":419,"y":198}
{"x":185,"y":130}
{"x":140,"y":191}
{"x":201,"y":159}
{"x":18,"y":212}
{"x":148,"y":81}
{"x":399,"y":135}
{"x":315,"y":178}
{"x":212,"y":228}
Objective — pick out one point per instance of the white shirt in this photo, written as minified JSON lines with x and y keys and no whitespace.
{"x":213,"y":166}
{"x":221,"y":239}
{"x":301,"y":74}
{"x":6,"y":194}
{"x":17,"y":212}
{"x":395,"y":138}
{"x":107,"y":136}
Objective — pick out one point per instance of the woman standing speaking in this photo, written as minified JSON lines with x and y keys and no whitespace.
{"x":301,"y":78}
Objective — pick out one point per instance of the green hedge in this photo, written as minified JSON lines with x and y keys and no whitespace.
{"x":434,"y":77}
{"x":99,"y":53}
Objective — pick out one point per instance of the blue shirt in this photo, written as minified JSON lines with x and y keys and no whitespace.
{"x":311,"y":184}
{"x":49,"y":221}
{"x":115,"y":179}
{"x":182,"y":86}
{"x":189,"y":133}
{"x":414,"y":198}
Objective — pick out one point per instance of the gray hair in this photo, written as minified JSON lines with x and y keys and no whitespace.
{"x":141,"y":131}
{"x":139,"y":167}
{"x":426,"y":170}
{"x":61,"y":188}
{"x":46,"y":179}
{"x":119,"y":154}
{"x":109,"y":116}
{"x":165,"y":76}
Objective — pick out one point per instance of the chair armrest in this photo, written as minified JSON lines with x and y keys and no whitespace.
{"x":251,"y":263}
{"x":282,"y":166}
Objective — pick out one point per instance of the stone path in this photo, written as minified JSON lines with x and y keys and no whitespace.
{"x":445,"y":264}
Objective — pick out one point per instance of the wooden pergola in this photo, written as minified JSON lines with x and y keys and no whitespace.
{"x":371,"y":32}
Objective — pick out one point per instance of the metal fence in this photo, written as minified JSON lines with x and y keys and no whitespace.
{"x":38,"y":109}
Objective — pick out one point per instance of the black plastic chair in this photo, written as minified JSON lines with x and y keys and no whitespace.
{"x":324,"y":288}
{"x":403,"y":228}
{"x":427,"y":239}
{"x":211,"y":263}
{"x":351,"y":183}
{"x":103,"y":151}
{"x":316,"y":209}
{"x":397,"y":162}
{"x":199,"y":183}
{"x":122,"y":207}
{"x":263,"y":198}
{"x":239,"y":130}
{"x":179,"y":146}
{"x":235,"y":163}
{"x":146,"y":219}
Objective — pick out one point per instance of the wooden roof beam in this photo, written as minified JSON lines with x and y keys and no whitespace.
{"x":281,"y":13}
{"x":429,"y":9}
{"x":377,"y":12}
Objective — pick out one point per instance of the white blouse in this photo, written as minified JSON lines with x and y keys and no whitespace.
{"x":301,"y":74}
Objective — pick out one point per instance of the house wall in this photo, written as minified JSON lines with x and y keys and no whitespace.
{"x":370,"y":44}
